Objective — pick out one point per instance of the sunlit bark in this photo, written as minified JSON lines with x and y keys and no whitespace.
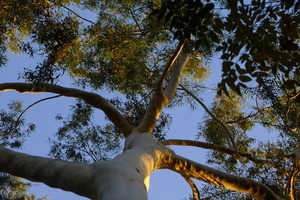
{"x":215,"y":177}
{"x":55,"y":173}
{"x":229,"y":151}
{"x":124,"y":177}
{"x":162,"y":96}
{"x":195,"y":191}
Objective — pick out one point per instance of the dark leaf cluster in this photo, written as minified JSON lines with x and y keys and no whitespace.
{"x":194,"y":20}
{"x":285,"y":112}
{"x":55,"y":37}
{"x":12,"y":132}
{"x":186,"y":18}
{"x":262,"y":41}
{"x":13,"y":188}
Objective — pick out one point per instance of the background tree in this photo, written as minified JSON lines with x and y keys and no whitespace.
{"x":13,"y":135}
{"x":137,"y":51}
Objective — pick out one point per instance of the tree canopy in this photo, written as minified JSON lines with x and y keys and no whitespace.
{"x":136,"y":51}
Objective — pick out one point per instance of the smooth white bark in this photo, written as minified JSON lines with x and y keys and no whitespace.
{"x":55,"y":173}
{"x":124,"y":177}
{"x":128,"y":173}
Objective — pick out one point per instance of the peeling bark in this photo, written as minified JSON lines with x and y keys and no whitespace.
{"x":195,"y":191}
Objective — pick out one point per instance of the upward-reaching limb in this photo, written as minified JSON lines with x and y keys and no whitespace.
{"x":74,"y":177}
{"x":162,"y":96}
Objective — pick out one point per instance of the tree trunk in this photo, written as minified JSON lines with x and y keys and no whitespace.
{"x":122,"y":178}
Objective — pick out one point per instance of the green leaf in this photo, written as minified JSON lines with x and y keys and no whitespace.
{"x":214,"y":37}
{"x":244,"y":78}
{"x":290,"y":84}
{"x":219,"y":48}
{"x":244,"y":57}
{"x":260,"y":74}
{"x":249,"y":67}
{"x":264,"y":68}
{"x":227,"y":66}
{"x":240,"y":70}
{"x":225,"y":56}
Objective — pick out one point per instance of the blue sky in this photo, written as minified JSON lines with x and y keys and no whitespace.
{"x":165,"y":184}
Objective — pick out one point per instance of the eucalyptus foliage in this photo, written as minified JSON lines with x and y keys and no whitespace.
{"x":121,"y":47}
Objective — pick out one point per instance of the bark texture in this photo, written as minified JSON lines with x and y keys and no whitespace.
{"x":124,"y":177}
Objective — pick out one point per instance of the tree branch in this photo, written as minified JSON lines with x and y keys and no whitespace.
{"x":235,"y":153}
{"x":228,"y":135}
{"x":132,"y":15}
{"x":297,"y":158}
{"x":39,"y":101}
{"x":91,"y":98}
{"x":196,"y":194}
{"x":291,"y":183}
{"x":249,"y":116}
{"x":55,"y":173}
{"x":160,"y":97}
{"x":218,"y":178}
{"x":78,"y":15}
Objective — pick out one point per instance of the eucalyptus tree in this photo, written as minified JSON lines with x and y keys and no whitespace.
{"x":152,"y":55}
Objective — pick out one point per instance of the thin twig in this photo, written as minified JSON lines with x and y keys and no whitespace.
{"x":78,"y":15}
{"x":249,"y":116}
{"x":39,"y":101}
{"x":230,"y":139}
{"x":19,"y":118}
{"x":295,"y":95}
{"x":133,"y":16}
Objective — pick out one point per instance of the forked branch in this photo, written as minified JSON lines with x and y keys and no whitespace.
{"x":91,"y":98}
{"x":162,"y":96}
